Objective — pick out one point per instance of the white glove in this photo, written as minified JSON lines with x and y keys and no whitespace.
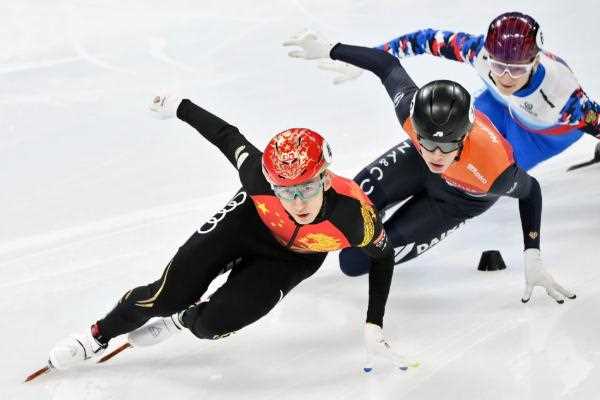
{"x":314,"y":45}
{"x":164,"y":106}
{"x":347,"y":72}
{"x":536,"y":275}
{"x":378,"y":347}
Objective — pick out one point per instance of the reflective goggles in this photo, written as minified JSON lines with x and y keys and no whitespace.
{"x":445,"y":147}
{"x":305,"y":191}
{"x":514,"y":70}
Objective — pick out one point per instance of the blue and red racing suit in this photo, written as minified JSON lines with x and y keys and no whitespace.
{"x":540,"y":120}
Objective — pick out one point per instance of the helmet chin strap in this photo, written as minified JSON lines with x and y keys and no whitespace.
{"x":462,"y":144}
{"x":321,"y":213}
{"x":323,"y":205}
{"x":460,"y":149}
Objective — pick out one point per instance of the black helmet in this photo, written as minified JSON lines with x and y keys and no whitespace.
{"x":442,"y":112}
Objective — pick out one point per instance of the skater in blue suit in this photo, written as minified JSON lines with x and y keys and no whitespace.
{"x":531,"y":96}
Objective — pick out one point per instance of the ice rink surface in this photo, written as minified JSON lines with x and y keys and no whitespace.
{"x":97,"y":196}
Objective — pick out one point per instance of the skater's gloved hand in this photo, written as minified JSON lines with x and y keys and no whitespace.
{"x":379,"y":349}
{"x":536,"y":275}
{"x":164,"y":106}
{"x":314,"y":45}
{"x":346,"y":72}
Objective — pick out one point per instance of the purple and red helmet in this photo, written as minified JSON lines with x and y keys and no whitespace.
{"x":513,"y":37}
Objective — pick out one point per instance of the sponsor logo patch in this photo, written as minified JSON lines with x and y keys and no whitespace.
{"x":591,"y":117}
{"x":397,"y":98}
{"x":512,"y":188}
{"x":401,"y":252}
{"x":215,"y":337}
{"x":240,"y":156}
{"x":423,"y":247}
{"x":473,"y":169}
{"x":211,"y":224}
{"x":377,"y":172}
{"x":381,"y":240}
{"x":528,"y":107}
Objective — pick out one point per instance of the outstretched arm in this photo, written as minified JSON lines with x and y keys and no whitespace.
{"x":374,"y":242}
{"x":515,"y":182}
{"x":381,"y":253}
{"x":227,"y":138}
{"x":456,"y":46}
{"x":399,"y":85}
{"x":582,"y":112}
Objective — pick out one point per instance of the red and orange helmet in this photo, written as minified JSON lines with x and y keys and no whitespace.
{"x":295,"y":156}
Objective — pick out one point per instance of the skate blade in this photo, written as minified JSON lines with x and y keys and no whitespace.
{"x":114,"y":352}
{"x":39,"y":372}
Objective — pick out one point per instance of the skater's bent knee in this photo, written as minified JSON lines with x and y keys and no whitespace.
{"x":195,"y":319}
{"x":354,"y":262}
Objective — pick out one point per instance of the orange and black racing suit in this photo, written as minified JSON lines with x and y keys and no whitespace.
{"x":437,"y":204}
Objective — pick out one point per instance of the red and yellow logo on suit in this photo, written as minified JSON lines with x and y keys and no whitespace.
{"x":274,"y":216}
{"x":321,"y":237}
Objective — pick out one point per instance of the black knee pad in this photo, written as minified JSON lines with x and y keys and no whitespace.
{"x":192,"y":320}
{"x":200,"y":326}
{"x":354,"y":262}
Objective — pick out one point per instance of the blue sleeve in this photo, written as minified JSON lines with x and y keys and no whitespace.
{"x":581,"y":112}
{"x":455,"y":46}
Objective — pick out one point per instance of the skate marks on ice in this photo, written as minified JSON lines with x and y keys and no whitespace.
{"x":465,"y":349}
{"x":79,"y":48}
{"x":156,"y":45}
{"x":108,"y":226}
{"x":513,"y":348}
{"x":26,"y":66}
{"x":38,"y":257}
{"x":537,"y":337}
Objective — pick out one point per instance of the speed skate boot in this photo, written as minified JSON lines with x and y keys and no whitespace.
{"x":77,"y":348}
{"x":156,"y":331}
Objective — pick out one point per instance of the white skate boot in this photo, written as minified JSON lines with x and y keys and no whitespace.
{"x":155,"y":332}
{"x":75,"y":349}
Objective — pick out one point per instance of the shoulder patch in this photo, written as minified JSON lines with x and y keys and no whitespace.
{"x":240,"y":156}
{"x":369,"y":217}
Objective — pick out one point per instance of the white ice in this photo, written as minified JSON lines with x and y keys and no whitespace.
{"x":96,"y":196}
